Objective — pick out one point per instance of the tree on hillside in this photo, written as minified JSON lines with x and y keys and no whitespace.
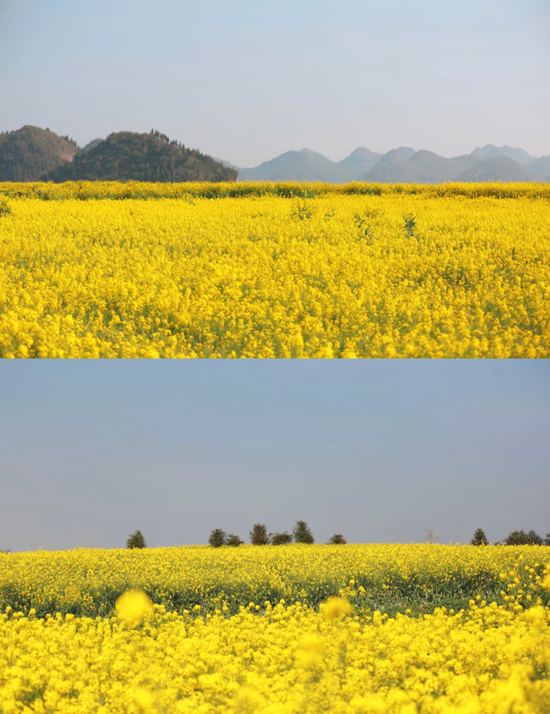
{"x":217,"y":538}
{"x":280,"y":538}
{"x":302,"y":533}
{"x":234,"y":540}
{"x":479,"y":538}
{"x":337,"y":539}
{"x":136,"y":540}
{"x":258,"y":534}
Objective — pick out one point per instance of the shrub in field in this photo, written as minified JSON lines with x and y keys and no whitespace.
{"x":280,"y":538}
{"x":234,"y":540}
{"x":136,"y":540}
{"x":337,"y":539}
{"x":479,"y":538}
{"x":302,"y":533}
{"x":258,"y":534}
{"x":217,"y":538}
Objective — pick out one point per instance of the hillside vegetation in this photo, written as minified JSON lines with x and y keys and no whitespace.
{"x":126,"y":156}
{"x":34,"y":154}
{"x":30,"y":153}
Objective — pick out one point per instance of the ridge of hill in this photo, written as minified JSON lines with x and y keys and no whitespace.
{"x":27,"y":154}
{"x":489,"y":151}
{"x":129,"y":156}
{"x":33,"y":154}
{"x":304,"y":165}
{"x":402,"y":165}
{"x":498,"y":168}
{"x":541,"y":168}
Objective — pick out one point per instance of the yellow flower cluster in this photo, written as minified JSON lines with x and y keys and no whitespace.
{"x":142,"y":190}
{"x":437,"y":271}
{"x":202,"y":580}
{"x":290,"y":660}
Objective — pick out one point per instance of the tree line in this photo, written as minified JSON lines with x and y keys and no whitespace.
{"x":513,"y":538}
{"x":301,"y":533}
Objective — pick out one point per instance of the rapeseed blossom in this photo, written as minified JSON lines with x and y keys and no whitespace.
{"x":133,"y":606}
{"x":274,"y":270}
{"x":218,"y":637}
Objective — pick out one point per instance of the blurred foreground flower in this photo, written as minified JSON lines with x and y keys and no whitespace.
{"x":335,"y":607}
{"x":133,"y":606}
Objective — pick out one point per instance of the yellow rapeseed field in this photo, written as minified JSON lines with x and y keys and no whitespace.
{"x":274,"y":270}
{"x":306,"y":653}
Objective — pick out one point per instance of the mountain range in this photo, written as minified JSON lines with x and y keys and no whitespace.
{"x":34,"y":154}
{"x":403,"y":165}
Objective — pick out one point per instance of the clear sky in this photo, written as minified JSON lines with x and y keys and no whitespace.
{"x":247,"y":80}
{"x":376,"y":450}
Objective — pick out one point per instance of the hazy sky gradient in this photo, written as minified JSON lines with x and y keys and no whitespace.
{"x":247,"y":80}
{"x":376,"y":450}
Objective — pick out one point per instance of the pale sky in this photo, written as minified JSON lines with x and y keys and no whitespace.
{"x":246,"y":80}
{"x":377,"y":450}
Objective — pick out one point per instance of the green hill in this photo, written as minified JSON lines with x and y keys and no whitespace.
{"x":30,"y":152}
{"x":128,"y":156}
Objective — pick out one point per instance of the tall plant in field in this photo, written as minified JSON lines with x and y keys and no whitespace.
{"x":302,"y":533}
{"x":136,"y":540}
{"x":258,"y":534}
{"x":479,"y":538}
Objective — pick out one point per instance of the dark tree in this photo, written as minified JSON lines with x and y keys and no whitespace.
{"x":234,"y":540}
{"x":302,"y":533}
{"x":258,"y":534}
{"x":523,"y":538}
{"x":534,"y":538}
{"x":280,"y":538}
{"x":546,"y":541}
{"x":479,"y":538}
{"x":136,"y":540}
{"x":217,"y":538}
{"x":337,"y":539}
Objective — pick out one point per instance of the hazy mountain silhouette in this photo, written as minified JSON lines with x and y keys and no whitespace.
{"x":304,"y":165}
{"x":30,"y":152}
{"x":541,"y":168}
{"x":500,"y":168}
{"x":358,"y":162}
{"x":403,"y":165}
{"x":492,"y":152}
{"x":92,"y":144}
{"x":397,"y":156}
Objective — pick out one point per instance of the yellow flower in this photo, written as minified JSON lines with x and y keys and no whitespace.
{"x":335,"y":607}
{"x":133,"y":606}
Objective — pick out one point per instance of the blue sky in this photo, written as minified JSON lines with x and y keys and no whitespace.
{"x":376,"y":450}
{"x":246,"y":80}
